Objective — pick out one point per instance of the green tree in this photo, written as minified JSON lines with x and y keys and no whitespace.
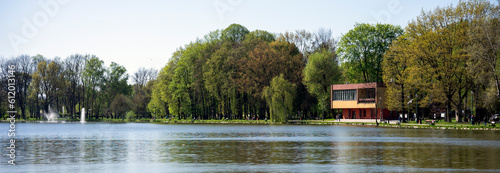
{"x":361,"y":50}
{"x":396,"y":73}
{"x":259,"y":35}
{"x":319,"y":74}
{"x":442,"y":43}
{"x":435,"y":59}
{"x":265,"y":62}
{"x":93,"y":76}
{"x":25,"y":67}
{"x":279,"y":97}
{"x":234,"y":33}
{"x":115,"y":83}
{"x":47,"y":80}
{"x":484,"y":66}
{"x":158,"y":105}
{"x":120,"y":105}
{"x":74,"y":66}
{"x":217,"y":78}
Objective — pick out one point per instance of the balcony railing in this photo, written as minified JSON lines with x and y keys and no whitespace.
{"x":366,"y":100}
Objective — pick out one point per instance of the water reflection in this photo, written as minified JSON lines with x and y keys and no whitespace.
{"x":186,"y":148}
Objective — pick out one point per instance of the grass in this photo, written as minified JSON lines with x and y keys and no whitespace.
{"x":437,"y":125}
{"x":211,"y":121}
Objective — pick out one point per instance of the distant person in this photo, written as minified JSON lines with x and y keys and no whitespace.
{"x":484,"y":120}
{"x":472,"y":119}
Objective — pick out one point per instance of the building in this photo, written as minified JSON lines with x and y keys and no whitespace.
{"x":361,"y":101}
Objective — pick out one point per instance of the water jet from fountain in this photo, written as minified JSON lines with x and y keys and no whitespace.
{"x":82,"y":116}
{"x":51,"y":115}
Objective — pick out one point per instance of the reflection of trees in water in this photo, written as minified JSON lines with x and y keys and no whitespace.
{"x":311,"y":145}
{"x":404,"y":154}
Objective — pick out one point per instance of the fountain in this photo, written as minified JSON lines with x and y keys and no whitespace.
{"x":51,"y":115}
{"x":82,"y":116}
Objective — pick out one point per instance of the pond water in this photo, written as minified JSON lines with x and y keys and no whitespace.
{"x":136,"y":147}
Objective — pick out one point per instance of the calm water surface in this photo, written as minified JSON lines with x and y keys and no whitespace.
{"x":134,"y":147}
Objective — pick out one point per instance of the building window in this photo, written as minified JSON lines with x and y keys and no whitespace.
{"x":370,"y":93}
{"x":344,"y":95}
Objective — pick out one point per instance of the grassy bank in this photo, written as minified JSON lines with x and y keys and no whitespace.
{"x":438,"y":125}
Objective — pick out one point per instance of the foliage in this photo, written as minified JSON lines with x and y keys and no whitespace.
{"x":46,"y":82}
{"x":120,"y":105}
{"x":319,"y":74}
{"x":234,"y":33}
{"x":396,"y":65}
{"x":441,"y":56}
{"x":130,"y":116}
{"x":361,"y":50}
{"x":93,"y":77}
{"x":311,"y":42}
{"x":279,"y":97}
{"x":235,"y":73}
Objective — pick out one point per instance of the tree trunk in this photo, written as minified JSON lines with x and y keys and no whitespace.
{"x":447,"y":116}
{"x":497,"y":86}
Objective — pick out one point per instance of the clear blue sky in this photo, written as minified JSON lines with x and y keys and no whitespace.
{"x":145,"y":33}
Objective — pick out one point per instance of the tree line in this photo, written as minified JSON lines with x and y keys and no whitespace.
{"x":235,"y":73}
{"x":79,"y":81}
{"x":447,"y":59}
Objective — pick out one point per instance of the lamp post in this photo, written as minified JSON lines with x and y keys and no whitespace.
{"x":472,"y":102}
{"x":380,"y":107}
{"x":416,"y":109}
{"x":408,"y":114}
{"x":57,"y":100}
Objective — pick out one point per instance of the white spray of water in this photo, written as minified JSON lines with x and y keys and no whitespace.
{"x":82,"y":116}
{"x":51,"y":115}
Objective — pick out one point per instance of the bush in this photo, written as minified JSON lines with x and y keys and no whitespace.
{"x":130,"y":116}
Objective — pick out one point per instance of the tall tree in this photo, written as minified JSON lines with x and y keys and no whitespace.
{"x":361,"y":50}
{"x":396,"y":73}
{"x":46,"y":82}
{"x":24,"y":68}
{"x":279,"y":97}
{"x":93,"y":75}
{"x":74,"y":66}
{"x":161,"y":99}
{"x":116,"y":82}
{"x":319,"y":74}
{"x":484,"y":34}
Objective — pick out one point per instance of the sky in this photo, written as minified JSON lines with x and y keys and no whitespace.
{"x":145,"y":33}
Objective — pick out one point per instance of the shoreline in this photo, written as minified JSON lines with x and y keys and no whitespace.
{"x":293,"y":122}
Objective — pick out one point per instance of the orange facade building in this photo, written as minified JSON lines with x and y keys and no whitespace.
{"x":361,"y":101}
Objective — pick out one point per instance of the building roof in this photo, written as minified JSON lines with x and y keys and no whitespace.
{"x":357,"y":86}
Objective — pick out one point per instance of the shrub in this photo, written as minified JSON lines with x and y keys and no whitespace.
{"x":130,"y":116}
